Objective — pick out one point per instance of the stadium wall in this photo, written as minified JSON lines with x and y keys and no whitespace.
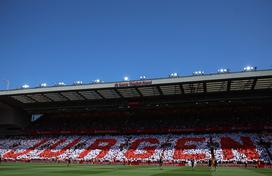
{"x":12,"y":119}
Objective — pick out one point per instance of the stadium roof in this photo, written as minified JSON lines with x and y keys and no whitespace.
{"x":137,"y":89}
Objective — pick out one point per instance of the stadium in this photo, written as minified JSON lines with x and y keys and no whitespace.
{"x":202,"y":124}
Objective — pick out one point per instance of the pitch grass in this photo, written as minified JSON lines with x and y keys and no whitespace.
{"x":35,"y":169}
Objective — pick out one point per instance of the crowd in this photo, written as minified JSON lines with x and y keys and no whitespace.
{"x":169,"y":148}
{"x":160,"y":120}
{"x":225,"y":146}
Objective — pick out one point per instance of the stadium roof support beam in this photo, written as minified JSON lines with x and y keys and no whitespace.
{"x":58,"y":94}
{"x":99,"y":94}
{"x":47,"y":97}
{"x":63,"y":96}
{"x":32,"y":99}
{"x":81,"y":95}
{"x":160,"y":91}
{"x":254,"y":84}
{"x":139,"y":92}
{"x":118,"y":93}
{"x":205,"y":87}
{"x":228,"y":85}
{"x":181,"y":89}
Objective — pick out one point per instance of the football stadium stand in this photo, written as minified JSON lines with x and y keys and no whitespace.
{"x":172,"y":149}
{"x":223,"y":117}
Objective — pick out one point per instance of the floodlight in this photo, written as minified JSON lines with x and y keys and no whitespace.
{"x":61,"y":84}
{"x":198,"y":72}
{"x":25,"y":86}
{"x":126,"y":78}
{"x":78,"y":82}
{"x":43,"y":85}
{"x":249,"y":68}
{"x":97,"y":81}
{"x":222,"y":70}
{"x":142,"y":77}
{"x":172,"y":75}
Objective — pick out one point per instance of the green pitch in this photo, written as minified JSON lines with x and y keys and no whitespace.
{"x":30,"y":169}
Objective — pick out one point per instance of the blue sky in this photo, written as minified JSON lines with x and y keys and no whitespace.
{"x":64,"y":40}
